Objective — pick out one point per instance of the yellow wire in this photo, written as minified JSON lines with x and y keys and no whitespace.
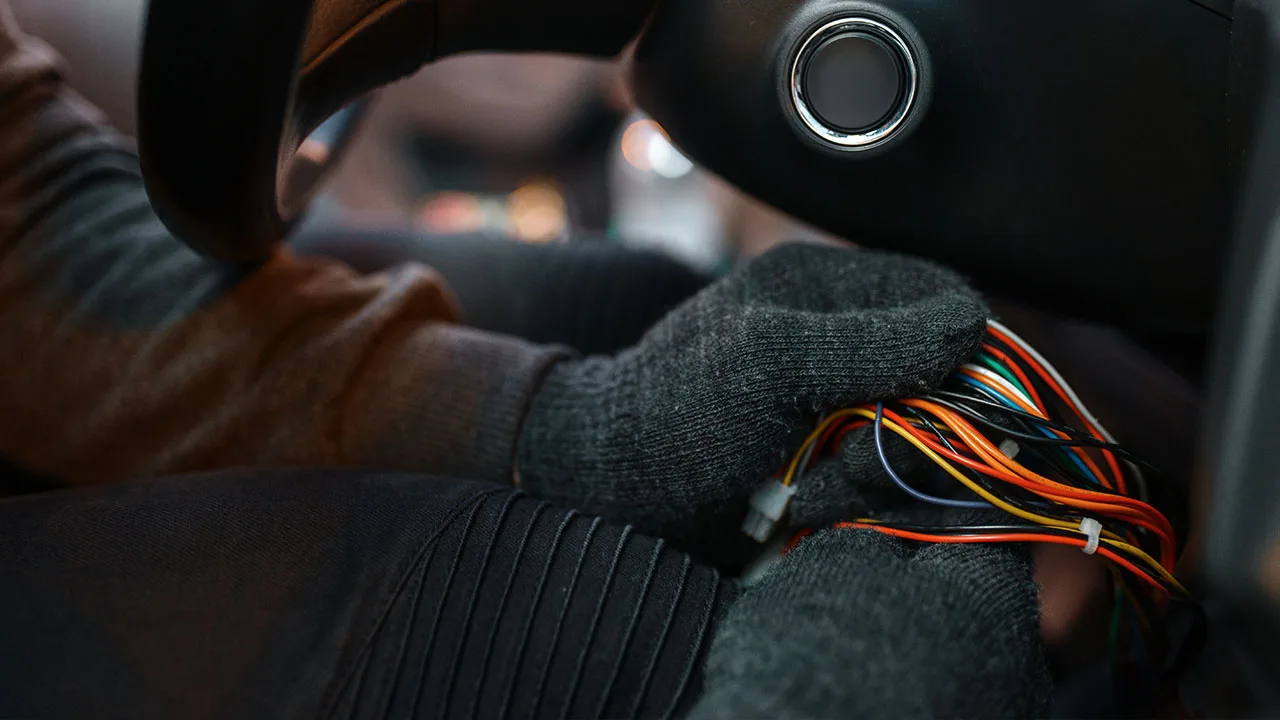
{"x":961,"y":428}
{"x":997,"y":460}
{"x":1148,"y":560}
{"x":981,"y":491}
{"x":1108,"y":537}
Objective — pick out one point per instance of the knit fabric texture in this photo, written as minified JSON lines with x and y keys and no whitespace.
{"x":590,"y":294}
{"x":861,"y":625}
{"x":716,"y":396}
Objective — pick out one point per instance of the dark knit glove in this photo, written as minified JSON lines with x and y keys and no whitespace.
{"x":855,"y":624}
{"x":717,"y":395}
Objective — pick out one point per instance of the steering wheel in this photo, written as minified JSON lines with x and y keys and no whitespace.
{"x":1067,"y":152}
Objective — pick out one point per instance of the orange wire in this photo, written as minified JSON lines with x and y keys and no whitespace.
{"x":1084,"y":456}
{"x":835,"y":434}
{"x":1072,"y":498}
{"x":1057,"y":389}
{"x":1004,"y":537}
{"x":1144,"y":514}
{"x":988,"y":451}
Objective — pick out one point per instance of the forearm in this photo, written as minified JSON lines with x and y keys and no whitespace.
{"x":125,"y":354}
{"x":596,"y":297}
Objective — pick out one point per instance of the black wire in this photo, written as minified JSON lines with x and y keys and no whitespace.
{"x":1020,"y":498}
{"x":1012,"y":494}
{"x":1026,"y":500}
{"x":1074,"y":432}
{"x":1027,"y":437}
{"x":1067,"y":473}
{"x":931,"y":427}
{"x":1066,"y":470}
{"x":1070,"y":474}
{"x":1061,"y":461}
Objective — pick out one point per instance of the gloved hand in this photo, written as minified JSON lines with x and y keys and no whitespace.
{"x":857,"y":624}
{"x":715,"y":396}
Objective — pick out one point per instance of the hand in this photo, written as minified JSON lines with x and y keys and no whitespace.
{"x":854,"y":484}
{"x":853,"y":623}
{"x":714,"y":398}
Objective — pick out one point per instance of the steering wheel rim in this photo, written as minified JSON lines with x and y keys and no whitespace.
{"x":229,"y":91}
{"x":226,"y":101}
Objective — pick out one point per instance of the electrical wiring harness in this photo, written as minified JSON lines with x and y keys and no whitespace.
{"x":1007,"y":432}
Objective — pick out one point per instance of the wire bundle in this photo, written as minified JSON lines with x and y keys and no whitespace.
{"x":1008,"y":432}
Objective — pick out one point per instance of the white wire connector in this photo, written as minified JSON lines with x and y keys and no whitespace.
{"x":1009,"y":448}
{"x":769,"y":503}
{"x":1093,"y":530}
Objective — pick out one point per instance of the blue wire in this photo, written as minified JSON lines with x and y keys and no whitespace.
{"x":987,"y":391}
{"x":922,"y":497}
{"x":1043,"y":430}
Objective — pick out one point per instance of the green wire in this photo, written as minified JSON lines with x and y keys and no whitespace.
{"x":990,"y":362}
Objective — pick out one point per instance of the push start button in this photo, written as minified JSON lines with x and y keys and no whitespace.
{"x":855,"y":83}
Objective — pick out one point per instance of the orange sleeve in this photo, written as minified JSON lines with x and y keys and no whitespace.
{"x":124,"y":354}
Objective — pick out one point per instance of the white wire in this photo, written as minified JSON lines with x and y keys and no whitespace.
{"x":1002,"y":382}
{"x":1071,"y":394}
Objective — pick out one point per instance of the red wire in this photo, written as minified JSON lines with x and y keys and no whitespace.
{"x":795,"y":540}
{"x":1071,"y":494}
{"x":1084,"y":456}
{"x":989,"y":451}
{"x":1121,"y":501}
{"x":1000,"y":538}
{"x":835,"y":433}
{"x":838,"y":440}
{"x":1088,"y":503}
{"x":1141,"y":513}
{"x":1079,"y":412}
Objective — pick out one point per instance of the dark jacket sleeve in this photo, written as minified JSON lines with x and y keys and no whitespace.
{"x":125,"y":354}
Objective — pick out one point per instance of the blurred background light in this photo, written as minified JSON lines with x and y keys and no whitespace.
{"x":538,"y":212}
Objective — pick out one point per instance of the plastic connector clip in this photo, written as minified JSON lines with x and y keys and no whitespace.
{"x":769,"y":503}
{"x":1092,"y":529}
